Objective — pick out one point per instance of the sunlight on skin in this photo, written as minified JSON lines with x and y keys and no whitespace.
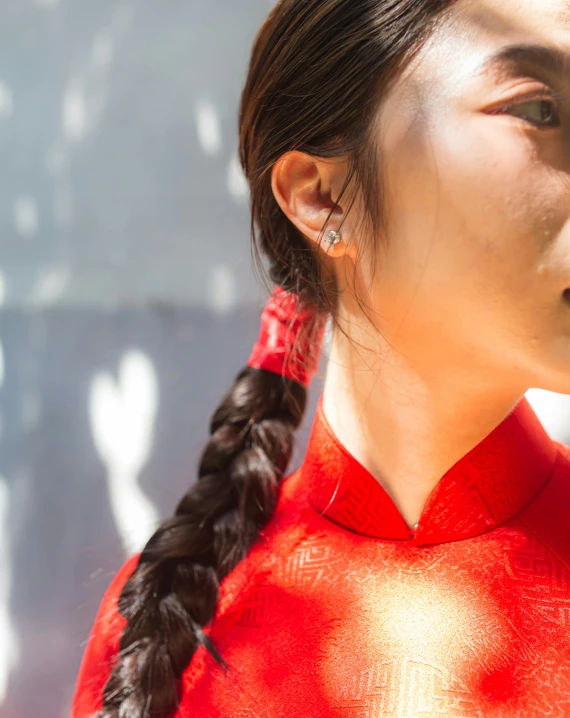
{"x":122,"y":415}
{"x":9,"y":645}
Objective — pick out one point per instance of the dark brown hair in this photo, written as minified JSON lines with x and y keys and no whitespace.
{"x":317,"y":74}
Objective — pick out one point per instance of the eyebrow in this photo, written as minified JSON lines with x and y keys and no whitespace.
{"x":546,"y":60}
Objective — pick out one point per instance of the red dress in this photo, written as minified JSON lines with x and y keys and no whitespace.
{"x":340,"y":610}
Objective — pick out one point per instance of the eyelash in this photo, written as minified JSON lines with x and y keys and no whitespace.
{"x":544,"y":95}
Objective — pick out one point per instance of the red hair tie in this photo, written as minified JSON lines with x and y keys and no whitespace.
{"x":290,"y":340}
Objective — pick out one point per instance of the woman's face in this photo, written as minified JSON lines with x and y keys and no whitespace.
{"x":474,"y":144}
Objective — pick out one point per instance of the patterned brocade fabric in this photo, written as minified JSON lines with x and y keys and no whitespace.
{"x":340,"y":610}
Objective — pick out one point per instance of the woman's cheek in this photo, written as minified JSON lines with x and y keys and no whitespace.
{"x":490,"y":179}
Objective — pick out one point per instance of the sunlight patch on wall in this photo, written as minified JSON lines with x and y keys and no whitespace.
{"x":85,"y":95}
{"x":74,"y":112}
{"x":236,"y":181}
{"x":6,"y":101}
{"x":208,"y":127}
{"x":50,"y":287}
{"x":26,"y":216}
{"x":2,"y":365}
{"x":122,"y":415}
{"x":9,"y":645}
{"x":2,"y":289}
{"x":222,"y":289}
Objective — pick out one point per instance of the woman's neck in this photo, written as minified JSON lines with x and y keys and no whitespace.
{"x":408,"y":426}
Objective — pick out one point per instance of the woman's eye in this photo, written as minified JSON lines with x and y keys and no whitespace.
{"x":541,"y":112}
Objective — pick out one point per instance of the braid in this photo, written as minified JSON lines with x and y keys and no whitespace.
{"x":173,"y":592}
{"x":317,"y":72}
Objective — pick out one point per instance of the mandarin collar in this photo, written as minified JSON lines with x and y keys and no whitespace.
{"x":486,"y":487}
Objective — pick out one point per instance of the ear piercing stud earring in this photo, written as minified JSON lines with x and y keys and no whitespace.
{"x":333,"y":238}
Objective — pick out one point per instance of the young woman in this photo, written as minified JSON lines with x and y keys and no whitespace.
{"x":409,"y":167}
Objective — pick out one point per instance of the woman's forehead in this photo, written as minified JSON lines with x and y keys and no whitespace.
{"x":520,"y":20}
{"x":472,"y":32}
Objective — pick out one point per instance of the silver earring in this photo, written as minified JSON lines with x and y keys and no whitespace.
{"x":333,"y":238}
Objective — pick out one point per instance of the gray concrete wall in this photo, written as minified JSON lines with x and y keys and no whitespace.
{"x":127,"y":299}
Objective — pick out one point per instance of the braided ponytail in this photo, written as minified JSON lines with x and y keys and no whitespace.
{"x":317,"y":73}
{"x":173,"y":591}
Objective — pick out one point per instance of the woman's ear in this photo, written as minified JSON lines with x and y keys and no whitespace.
{"x":304,"y":187}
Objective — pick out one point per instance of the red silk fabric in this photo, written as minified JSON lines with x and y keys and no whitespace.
{"x":290,"y":340}
{"x":340,"y":610}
